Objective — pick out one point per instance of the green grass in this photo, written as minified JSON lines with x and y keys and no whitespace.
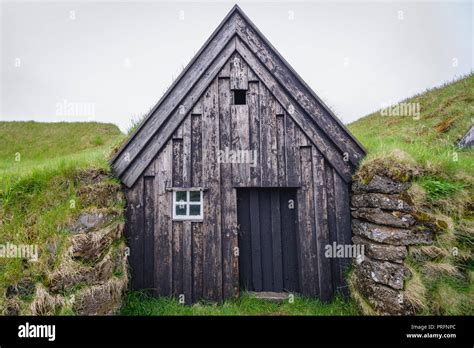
{"x":440,"y":188}
{"x":31,"y":146}
{"x":40,"y":166}
{"x":139,"y":303}
{"x":424,"y":150}
{"x":446,"y":114}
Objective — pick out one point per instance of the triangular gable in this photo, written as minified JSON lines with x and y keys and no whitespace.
{"x":237,"y":33}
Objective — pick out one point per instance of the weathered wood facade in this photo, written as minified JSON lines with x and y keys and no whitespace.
{"x":238,"y":94}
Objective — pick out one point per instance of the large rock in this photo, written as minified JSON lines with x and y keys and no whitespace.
{"x":378,"y":216}
{"x":382,"y":252}
{"x":384,"y":299}
{"x":384,"y":272}
{"x":379,"y":184}
{"x":380,"y":200}
{"x":391,"y":235}
{"x":467,"y":140}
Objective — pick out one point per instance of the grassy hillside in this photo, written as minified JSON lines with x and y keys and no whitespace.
{"x":446,"y":114}
{"x":27,"y":146}
{"x":48,"y":175}
{"x":423,"y":148}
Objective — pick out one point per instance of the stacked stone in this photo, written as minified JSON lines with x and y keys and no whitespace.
{"x":384,"y":223}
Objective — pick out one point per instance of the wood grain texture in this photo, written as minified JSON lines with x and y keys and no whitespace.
{"x":174,"y":96}
{"x":309,"y":277}
{"x":240,"y":144}
{"x":230,"y":276}
{"x":238,"y":73}
{"x":254,"y":131}
{"x":133,"y":170}
{"x":134,"y":231}
{"x":164,"y":227}
{"x":317,"y":136}
{"x":212,"y":237}
{"x":298,"y":90}
{"x":322,"y":230}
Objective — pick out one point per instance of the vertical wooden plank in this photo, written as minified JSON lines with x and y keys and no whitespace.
{"x":268,"y":145}
{"x":150,"y":171}
{"x":240,"y":144}
{"x":212,"y":198}
{"x":238,"y":73}
{"x":277,"y":261}
{"x":307,"y":234}
{"x":322,"y":231}
{"x":149,"y":232}
{"x":290,"y":250}
{"x":178,"y":133}
{"x":301,"y":138}
{"x":177,"y":258}
{"x":197,"y":108}
{"x":255,"y":240}
{"x":245,"y":243}
{"x":332,"y":227}
{"x":230,"y":276}
{"x":196,"y":150}
{"x":177,"y":162}
{"x":197,"y":252}
{"x":177,"y":238}
{"x":252,"y":77}
{"x":281,"y":152}
{"x":164,"y":229}
{"x":187,"y":262}
{"x":279,"y":111}
{"x":196,"y":181}
{"x":225,"y":71}
{"x":343,"y":221}
{"x":134,"y":229}
{"x":254,"y":132}
{"x":292,"y":153}
{"x":187,"y":165}
{"x":266,"y":240}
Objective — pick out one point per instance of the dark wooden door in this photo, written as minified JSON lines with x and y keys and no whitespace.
{"x":267,"y":239}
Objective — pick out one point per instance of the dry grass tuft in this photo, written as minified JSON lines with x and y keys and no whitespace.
{"x":45,"y":303}
{"x":397,"y":165}
{"x":415,"y":292}
{"x":440,"y":269}
{"x":365,"y":307}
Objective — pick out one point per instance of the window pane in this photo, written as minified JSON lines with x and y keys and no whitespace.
{"x":180,"y":210}
{"x":180,"y":196}
{"x":194,"y":209}
{"x":195,"y":196}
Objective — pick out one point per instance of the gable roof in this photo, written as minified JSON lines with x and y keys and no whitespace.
{"x":237,"y":33}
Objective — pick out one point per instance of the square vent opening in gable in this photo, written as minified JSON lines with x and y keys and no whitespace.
{"x":240,"y":97}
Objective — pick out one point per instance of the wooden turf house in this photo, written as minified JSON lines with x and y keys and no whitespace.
{"x":238,"y":178}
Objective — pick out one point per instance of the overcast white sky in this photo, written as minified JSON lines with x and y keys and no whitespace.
{"x":112,"y":61}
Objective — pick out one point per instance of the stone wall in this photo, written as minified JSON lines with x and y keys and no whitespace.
{"x":386,"y":224}
{"x":84,"y":269}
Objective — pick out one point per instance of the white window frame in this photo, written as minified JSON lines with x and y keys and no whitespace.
{"x":188,"y":203}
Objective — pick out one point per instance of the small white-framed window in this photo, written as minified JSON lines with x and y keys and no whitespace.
{"x":187,"y":205}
